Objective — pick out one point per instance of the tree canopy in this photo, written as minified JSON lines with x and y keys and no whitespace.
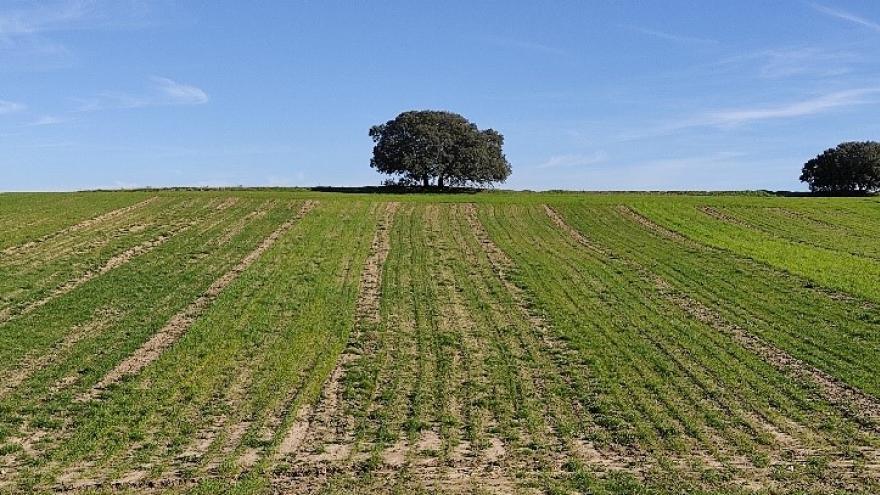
{"x":442,"y":148}
{"x":851,"y":167}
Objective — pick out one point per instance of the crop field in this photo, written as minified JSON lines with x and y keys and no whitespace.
{"x":303,"y":342}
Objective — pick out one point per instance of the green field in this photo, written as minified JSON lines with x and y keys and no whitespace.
{"x":306,"y":342}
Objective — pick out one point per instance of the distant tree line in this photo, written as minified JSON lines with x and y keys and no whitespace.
{"x":851,"y":167}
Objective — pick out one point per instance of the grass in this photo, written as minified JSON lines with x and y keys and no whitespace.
{"x":508,"y":347}
{"x":30,"y":216}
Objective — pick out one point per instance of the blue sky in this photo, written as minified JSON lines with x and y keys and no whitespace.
{"x":589,"y":95}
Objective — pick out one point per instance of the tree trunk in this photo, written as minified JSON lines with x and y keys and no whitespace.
{"x":440,"y":182}
{"x":425,"y":182}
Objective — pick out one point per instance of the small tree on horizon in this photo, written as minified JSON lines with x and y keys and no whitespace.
{"x":851,"y":167}
{"x":445,"y":148}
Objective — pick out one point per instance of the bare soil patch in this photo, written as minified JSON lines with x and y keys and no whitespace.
{"x":227,"y":203}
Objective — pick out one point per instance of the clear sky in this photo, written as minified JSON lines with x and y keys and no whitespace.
{"x":588,"y":94}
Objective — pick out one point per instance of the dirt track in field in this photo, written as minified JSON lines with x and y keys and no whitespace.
{"x":326,"y":423}
{"x":321,"y":448}
{"x":577,"y":236}
{"x":180,"y":323}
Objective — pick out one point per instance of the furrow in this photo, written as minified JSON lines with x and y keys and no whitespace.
{"x":655,"y":227}
{"x":180,"y":322}
{"x":865,"y":407}
{"x":239,"y":225}
{"x":583,"y":449}
{"x":33,"y":363}
{"x":834,"y":391}
{"x":326,"y":424}
{"x":722,"y":216}
{"x":80,"y":226}
{"x":111,"y":264}
{"x":571,"y":231}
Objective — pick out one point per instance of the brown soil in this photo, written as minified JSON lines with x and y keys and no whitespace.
{"x":227,"y":203}
{"x":180,"y":323}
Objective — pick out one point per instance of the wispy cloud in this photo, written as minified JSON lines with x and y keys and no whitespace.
{"x":46,"y":17}
{"x":731,"y":118}
{"x":27,"y":31}
{"x":779,"y":63}
{"x":574,"y":160}
{"x":523,"y":45}
{"x":812,"y":106}
{"x":678,"y":38}
{"x":10,"y":107}
{"x":179,"y":93}
{"x":165,"y":92}
{"x":847,"y":16}
{"x":47,"y":120}
{"x":23,"y":42}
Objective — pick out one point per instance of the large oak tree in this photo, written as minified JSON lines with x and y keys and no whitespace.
{"x":443,"y":148}
{"x":852,"y":167}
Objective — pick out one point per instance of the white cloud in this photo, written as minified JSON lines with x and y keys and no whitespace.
{"x":22,"y":42}
{"x":802,"y":108}
{"x":732,"y":117}
{"x":846,"y":16}
{"x":166,"y":92}
{"x":573,"y":160}
{"x":10,"y":107}
{"x":180,"y":94}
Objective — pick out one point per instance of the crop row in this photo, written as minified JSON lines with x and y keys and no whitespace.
{"x":663,"y":381}
{"x":90,"y":329}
